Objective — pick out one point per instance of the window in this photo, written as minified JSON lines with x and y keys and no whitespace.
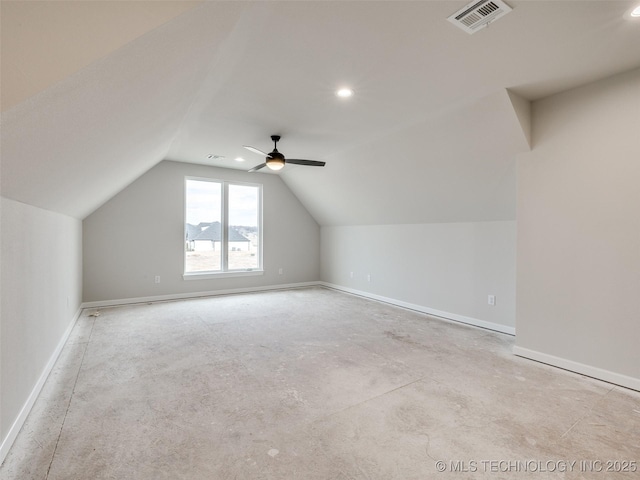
{"x":222,"y":227}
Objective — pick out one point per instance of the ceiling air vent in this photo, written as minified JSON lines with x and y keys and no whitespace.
{"x":477,"y":15}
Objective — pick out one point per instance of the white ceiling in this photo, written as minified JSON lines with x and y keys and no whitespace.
{"x":430,"y":135}
{"x":43,"y":42}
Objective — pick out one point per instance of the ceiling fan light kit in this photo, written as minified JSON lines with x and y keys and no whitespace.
{"x":276,"y":161}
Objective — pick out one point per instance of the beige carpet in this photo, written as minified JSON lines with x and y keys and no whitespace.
{"x":313,"y":384}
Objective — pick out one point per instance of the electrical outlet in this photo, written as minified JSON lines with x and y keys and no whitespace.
{"x":369,"y":277}
{"x":491,"y":300}
{"x":157,"y":279}
{"x":280,"y":271}
{"x":351,"y":274}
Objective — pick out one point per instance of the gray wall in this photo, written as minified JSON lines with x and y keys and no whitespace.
{"x":449,"y":267}
{"x":578,"y":254}
{"x":41,"y":294}
{"x":139,"y":234}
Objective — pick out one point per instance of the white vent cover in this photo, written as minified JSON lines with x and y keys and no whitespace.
{"x":477,"y":15}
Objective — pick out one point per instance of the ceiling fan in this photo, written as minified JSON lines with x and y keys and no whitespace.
{"x":275,"y":160}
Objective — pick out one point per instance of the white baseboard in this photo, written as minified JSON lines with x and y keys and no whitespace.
{"x":7,"y":442}
{"x":430,"y":311}
{"x":577,"y":367}
{"x":183,"y":296}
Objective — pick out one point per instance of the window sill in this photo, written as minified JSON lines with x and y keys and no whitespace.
{"x":211,"y":275}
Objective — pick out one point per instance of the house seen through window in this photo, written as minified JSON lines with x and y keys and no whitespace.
{"x":222,"y":226}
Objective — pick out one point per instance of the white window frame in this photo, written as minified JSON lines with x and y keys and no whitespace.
{"x":224,"y":271}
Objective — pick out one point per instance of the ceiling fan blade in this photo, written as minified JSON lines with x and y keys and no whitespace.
{"x":310,"y":163}
{"x":256,"y":150}
{"x":262,"y":165}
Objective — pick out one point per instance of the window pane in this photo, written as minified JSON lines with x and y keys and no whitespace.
{"x":244,"y":242}
{"x":203,"y":240}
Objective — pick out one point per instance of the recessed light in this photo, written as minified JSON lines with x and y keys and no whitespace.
{"x":344,"y":93}
{"x":636,"y":12}
{"x":239,"y":159}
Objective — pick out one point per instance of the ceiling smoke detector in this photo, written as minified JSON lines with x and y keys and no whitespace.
{"x":479,"y":14}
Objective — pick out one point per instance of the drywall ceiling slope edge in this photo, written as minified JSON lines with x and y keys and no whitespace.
{"x":457,"y":167}
{"x":73,"y":146}
{"x":522,"y":110}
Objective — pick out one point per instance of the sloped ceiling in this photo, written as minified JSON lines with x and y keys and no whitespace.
{"x":440,"y":170}
{"x":74,"y":145}
{"x":430,"y":135}
{"x":44,"y":42}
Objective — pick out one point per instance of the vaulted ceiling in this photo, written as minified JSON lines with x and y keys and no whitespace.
{"x":96,"y":93}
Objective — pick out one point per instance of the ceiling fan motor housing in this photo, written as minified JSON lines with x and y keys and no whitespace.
{"x":275,"y":155}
